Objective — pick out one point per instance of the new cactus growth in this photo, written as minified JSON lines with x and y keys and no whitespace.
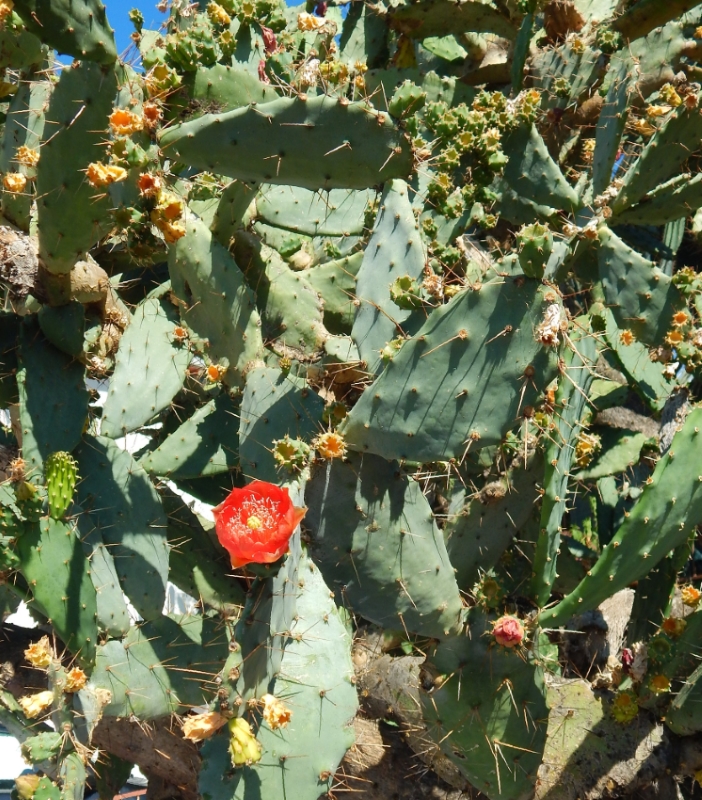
{"x":409,"y":297}
{"x":61,"y":474}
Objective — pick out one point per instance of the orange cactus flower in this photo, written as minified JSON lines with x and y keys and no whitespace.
{"x":254,"y":524}
{"x":124,"y":122}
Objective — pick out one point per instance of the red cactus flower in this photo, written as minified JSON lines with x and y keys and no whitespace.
{"x":254,"y":524}
{"x":508,"y":631}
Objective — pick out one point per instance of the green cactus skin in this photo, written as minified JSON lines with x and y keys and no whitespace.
{"x":46,"y":790}
{"x":680,"y":133}
{"x":559,"y":455}
{"x":24,"y":127}
{"x":611,"y":123}
{"x":79,"y":29}
{"x":339,"y":212}
{"x":274,"y":405}
{"x":205,"y":444}
{"x":263,"y":628}
{"x":532,"y":178}
{"x":394,"y":250}
{"x":197,"y":565}
{"x":535,"y":246}
{"x":227,"y":87}
{"x":239,"y":144}
{"x":359,"y":512}
{"x":641,"y":18}
{"x":149,"y":371}
{"x":315,"y":682}
{"x":579,"y":66}
{"x":70,"y":143}
{"x":643,"y":299}
{"x":49,"y":376}
{"x":646,"y":376}
{"x":683,"y":715}
{"x":124,"y":507}
{"x":112,"y":613}
{"x":654,"y":596}
{"x":64,"y":326}
{"x":291,"y":311}
{"x":434,"y":18}
{"x":53,"y":564}
{"x":494,"y":729}
{"x":461,"y":389}
{"x":45,"y":746}
{"x":61,"y":473}
{"x":480,"y":529}
{"x":215,"y":302}
{"x":671,"y":504}
{"x":158,"y":667}
{"x":73,"y":775}
{"x":336,"y":282}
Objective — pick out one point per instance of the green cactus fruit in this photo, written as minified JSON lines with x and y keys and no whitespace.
{"x":61,"y":474}
{"x":291,"y":454}
{"x":407,"y":100}
{"x":404,"y":292}
{"x":624,"y":707}
{"x":535,"y":246}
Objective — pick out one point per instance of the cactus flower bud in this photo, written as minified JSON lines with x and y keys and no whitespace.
{"x":508,"y":631}
{"x":26,"y":786}
{"x":244,"y":747}
{"x":254,"y":524}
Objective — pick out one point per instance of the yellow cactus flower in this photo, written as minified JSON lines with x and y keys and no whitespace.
{"x":35,"y":704}
{"x":330,"y":445}
{"x":104,"y":174}
{"x":625,"y":707}
{"x":218,"y":15}
{"x":680,"y":318}
{"x":6,"y":7}
{"x":172,"y":231}
{"x":659,"y":684}
{"x":673,"y":626}
{"x":309,"y":22}
{"x":75,"y":680}
{"x":275,"y":712}
{"x":201,"y":726}
{"x":169,"y":206}
{"x":27,"y":156}
{"x":244,"y":747}
{"x":124,"y":122}
{"x":691,"y":596}
{"x":14,"y":182}
{"x":39,"y":654}
{"x":654,"y":111}
{"x":626,"y":337}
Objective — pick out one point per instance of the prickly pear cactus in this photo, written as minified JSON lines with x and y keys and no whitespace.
{"x":423,"y":277}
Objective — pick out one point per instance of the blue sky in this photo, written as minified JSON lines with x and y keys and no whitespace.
{"x":118,"y":11}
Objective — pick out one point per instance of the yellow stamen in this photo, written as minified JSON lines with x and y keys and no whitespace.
{"x":253,"y":522}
